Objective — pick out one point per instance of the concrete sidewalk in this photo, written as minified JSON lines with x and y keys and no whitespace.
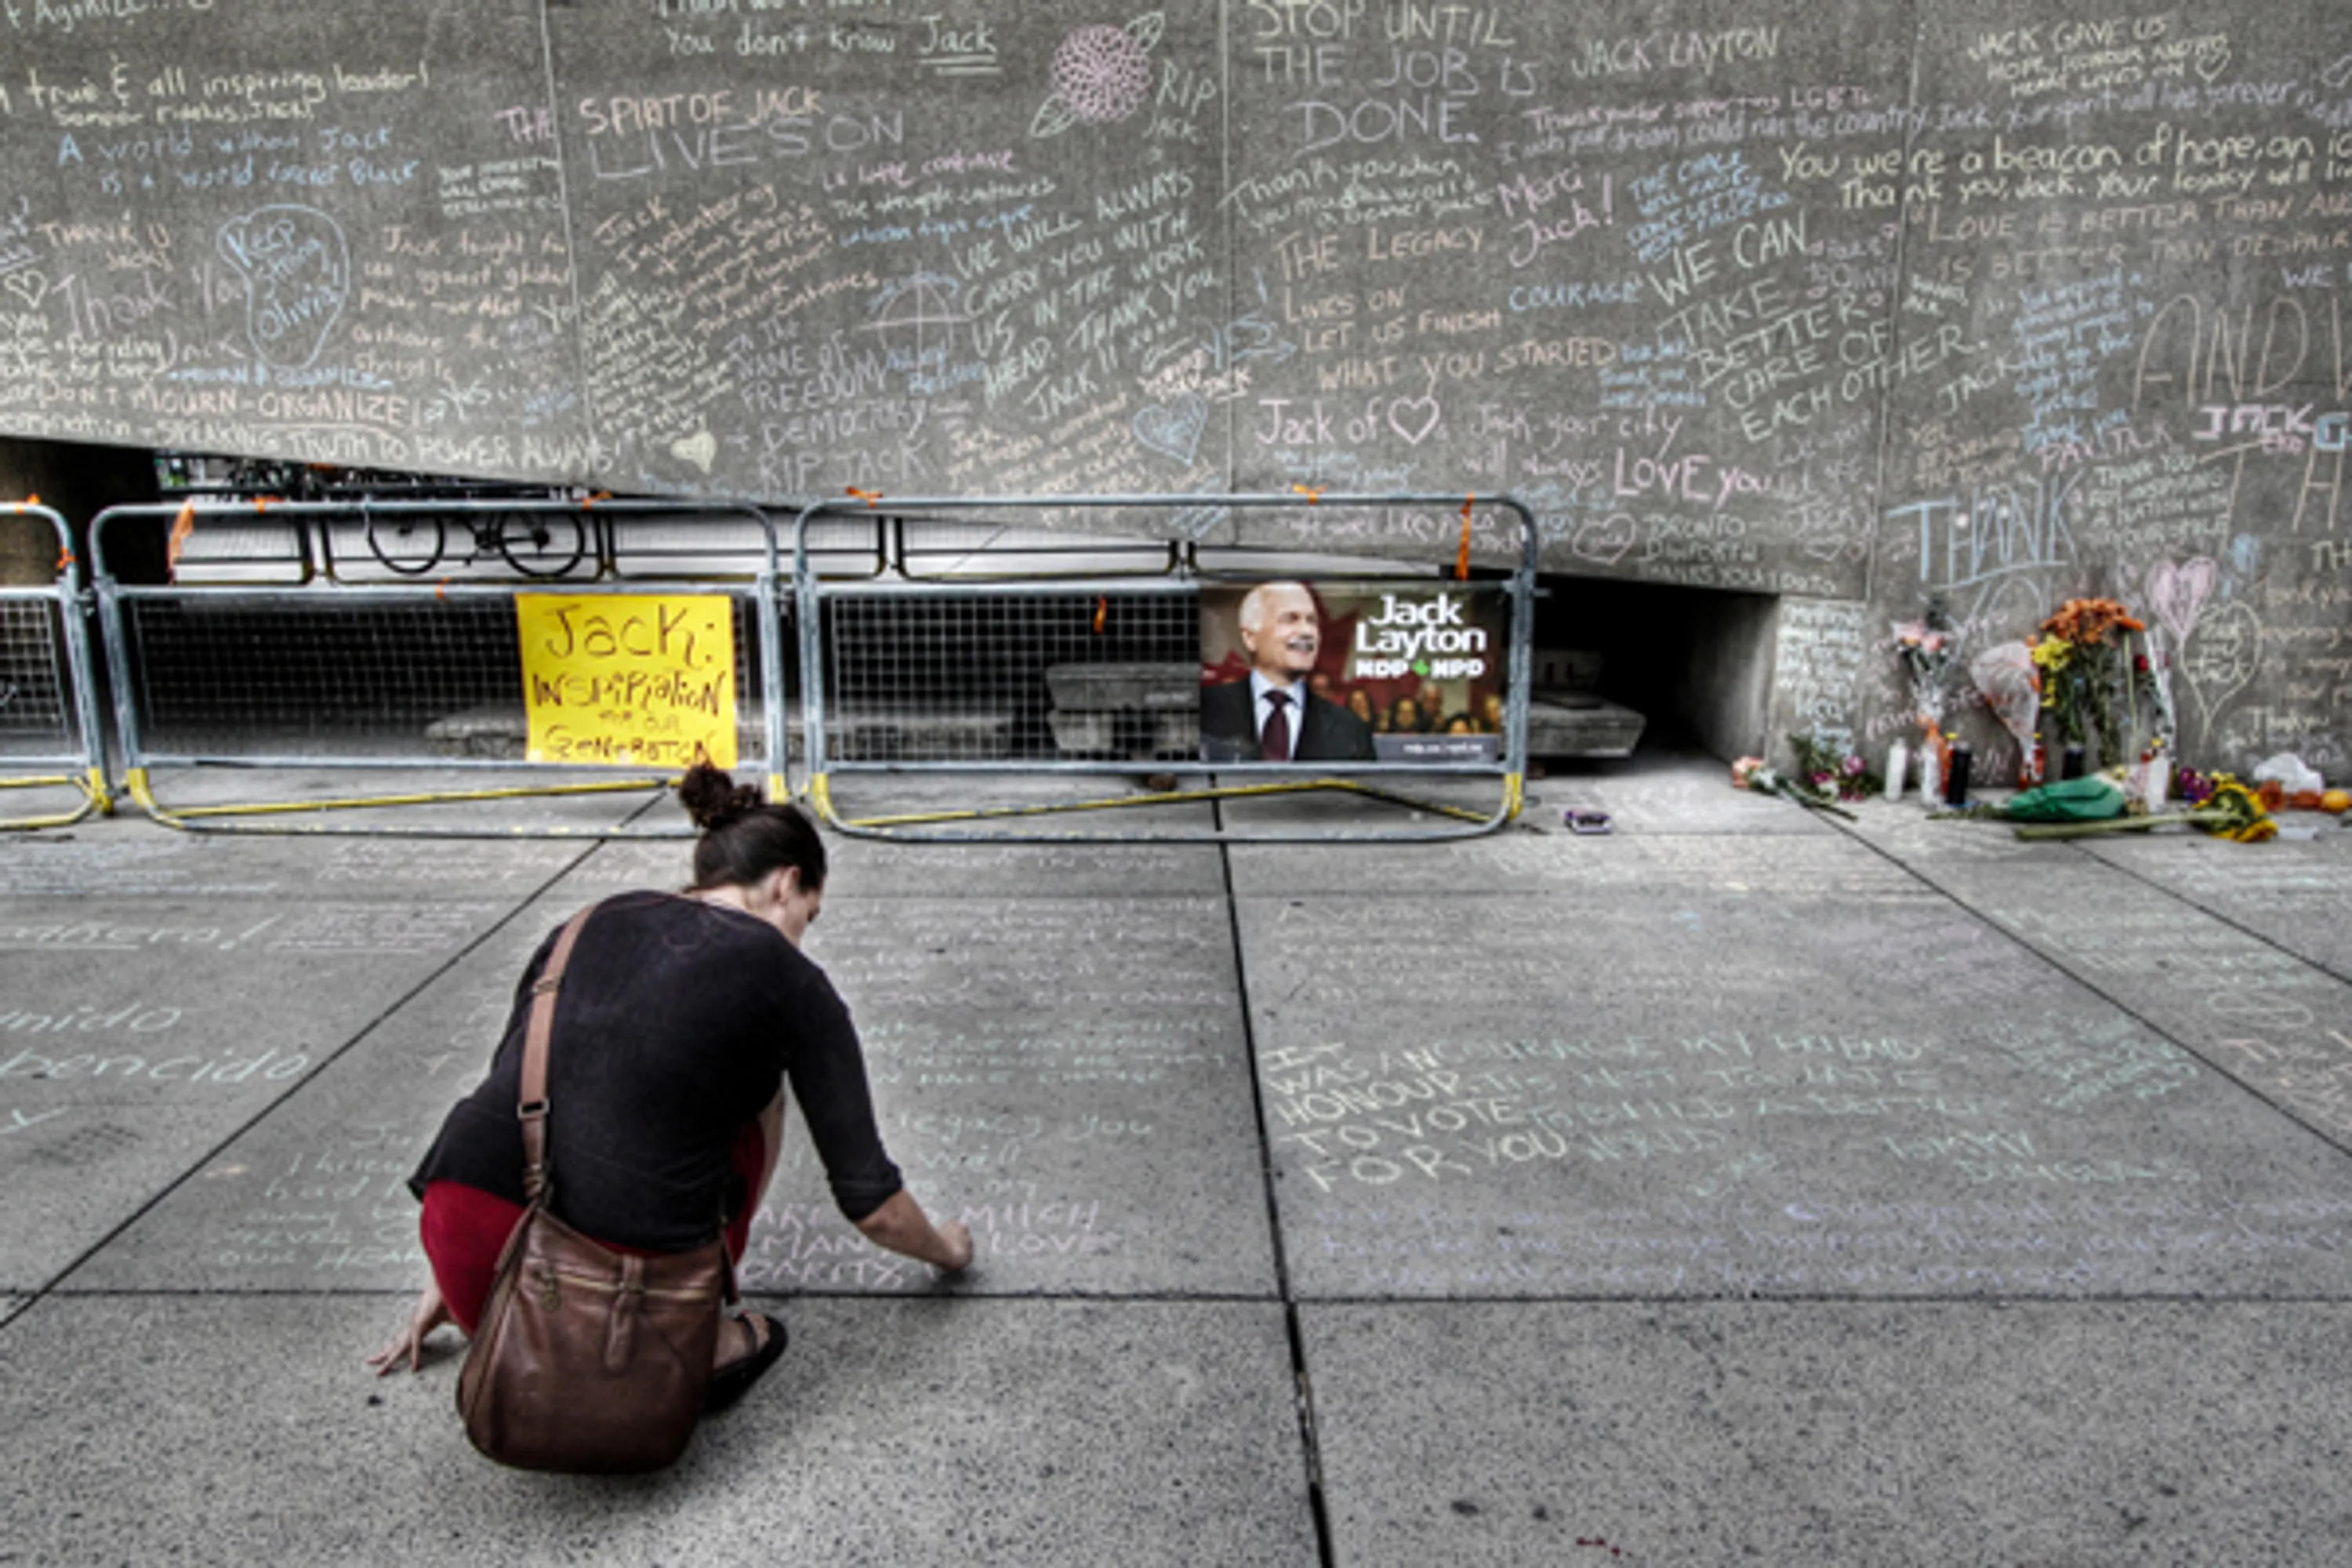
{"x":1738,"y":1185}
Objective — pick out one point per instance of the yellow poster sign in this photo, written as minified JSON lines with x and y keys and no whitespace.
{"x":634,"y":680}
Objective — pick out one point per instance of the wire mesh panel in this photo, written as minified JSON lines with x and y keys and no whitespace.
{"x":48,"y":687}
{"x":938,"y":676}
{"x":432,"y":673}
{"x":38,"y":722}
{"x":980,"y":651}
{"x":247,"y":677}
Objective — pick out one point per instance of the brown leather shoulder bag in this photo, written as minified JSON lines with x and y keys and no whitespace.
{"x":586,"y":1359}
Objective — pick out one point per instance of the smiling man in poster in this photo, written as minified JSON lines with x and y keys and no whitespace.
{"x":1336,"y":659}
{"x":1270,"y":715}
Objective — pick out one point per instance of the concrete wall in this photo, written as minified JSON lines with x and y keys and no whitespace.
{"x":1848,"y":304}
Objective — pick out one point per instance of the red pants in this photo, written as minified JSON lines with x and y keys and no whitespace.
{"x":464,"y":1228}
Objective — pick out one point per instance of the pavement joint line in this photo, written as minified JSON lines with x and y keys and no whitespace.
{"x":1302,"y":1384}
{"x":358,"y":1035}
{"x":2334,"y":1141}
{"x":2151,"y":882}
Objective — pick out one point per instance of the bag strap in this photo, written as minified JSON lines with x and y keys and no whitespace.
{"x":531,"y":1109}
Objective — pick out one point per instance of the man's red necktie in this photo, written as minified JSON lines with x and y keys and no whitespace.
{"x":1274,"y":743}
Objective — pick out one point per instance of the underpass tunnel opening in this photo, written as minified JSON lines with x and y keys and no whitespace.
{"x":1694,"y":665}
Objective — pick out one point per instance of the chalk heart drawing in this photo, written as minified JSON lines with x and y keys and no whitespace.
{"x":2178,"y":594}
{"x":1172,"y":428}
{"x":1413,"y":419}
{"x":699,"y":448}
{"x":296,"y":268}
{"x":1604,"y":540}
{"x":2222,"y":658}
{"x":30,"y":286}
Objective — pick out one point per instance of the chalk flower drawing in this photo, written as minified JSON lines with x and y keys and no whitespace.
{"x":1101,"y":74}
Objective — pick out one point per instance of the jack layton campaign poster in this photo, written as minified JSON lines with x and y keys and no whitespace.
{"x":1320,"y":672}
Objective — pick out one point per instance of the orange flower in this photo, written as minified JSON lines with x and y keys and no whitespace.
{"x":2087,"y":622}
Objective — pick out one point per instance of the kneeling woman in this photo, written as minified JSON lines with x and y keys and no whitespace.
{"x":681,"y":1019}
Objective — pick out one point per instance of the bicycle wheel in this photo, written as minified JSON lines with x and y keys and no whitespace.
{"x":410,"y":546}
{"x":541,"y":544}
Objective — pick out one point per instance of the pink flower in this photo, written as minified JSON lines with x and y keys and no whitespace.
{"x":1918,"y":634}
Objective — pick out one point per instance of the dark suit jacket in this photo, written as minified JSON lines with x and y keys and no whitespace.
{"x":1327,"y":732}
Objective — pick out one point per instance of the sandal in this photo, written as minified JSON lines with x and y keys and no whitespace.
{"x":734,"y":1380}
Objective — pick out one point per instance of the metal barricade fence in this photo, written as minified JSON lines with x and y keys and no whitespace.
{"x":49,"y":686}
{"x":385,"y":636}
{"x":970,"y":672}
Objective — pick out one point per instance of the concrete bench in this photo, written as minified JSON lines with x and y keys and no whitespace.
{"x":1581,"y":724}
{"x":1134,"y":710}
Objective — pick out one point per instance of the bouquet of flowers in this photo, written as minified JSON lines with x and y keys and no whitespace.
{"x":1831,"y":770}
{"x":2219,"y":805}
{"x":1750,"y":773}
{"x":1931,"y":649}
{"x":2011,"y":685}
{"x":2090,"y":680}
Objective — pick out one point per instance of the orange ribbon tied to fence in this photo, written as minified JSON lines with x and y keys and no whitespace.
{"x":1462,"y":555}
{"x":871,"y":498}
{"x":1312,"y":492}
{"x":1102,"y":612}
{"x":183,"y":525}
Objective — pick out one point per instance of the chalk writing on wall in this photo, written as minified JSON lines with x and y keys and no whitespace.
{"x":1820,"y":650}
{"x":1845,"y":305}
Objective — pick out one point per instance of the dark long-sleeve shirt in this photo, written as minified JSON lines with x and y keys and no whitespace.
{"x":675,"y":1025}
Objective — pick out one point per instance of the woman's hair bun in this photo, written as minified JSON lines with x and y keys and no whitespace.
{"x":713,"y":799}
